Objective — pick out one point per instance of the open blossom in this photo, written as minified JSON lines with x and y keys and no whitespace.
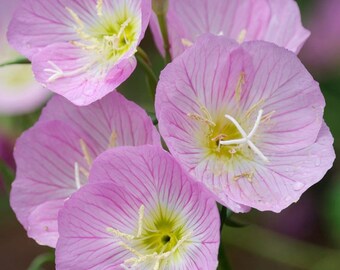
{"x":246,"y":120}
{"x":276,"y":21}
{"x":140,"y":210}
{"x":19,"y":92}
{"x":55,"y":156}
{"x":80,"y":49}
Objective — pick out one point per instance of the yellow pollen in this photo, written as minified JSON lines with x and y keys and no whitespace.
{"x":242,"y":36}
{"x":86,"y":152}
{"x":130,"y":242}
{"x":198,"y":117}
{"x":238,"y":91}
{"x":186,"y":42}
{"x":249,"y":176}
{"x":113,"y":140}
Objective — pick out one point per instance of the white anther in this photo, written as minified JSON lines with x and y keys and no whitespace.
{"x":58,"y":73}
{"x":76,"y":175}
{"x":246,"y":139}
{"x":140,"y":220}
{"x":99,"y":8}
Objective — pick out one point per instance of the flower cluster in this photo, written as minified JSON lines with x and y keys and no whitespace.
{"x":240,"y":115}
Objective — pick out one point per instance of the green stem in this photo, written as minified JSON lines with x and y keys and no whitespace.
{"x":145,"y":63}
{"x":20,"y":60}
{"x":164,"y":30}
{"x":281,"y":249}
{"x":42,"y":259}
{"x":223,"y":216}
{"x":223,"y":263}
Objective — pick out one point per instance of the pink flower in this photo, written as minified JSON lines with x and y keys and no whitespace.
{"x":246,"y":120}
{"x":80,"y":49}
{"x":275,"y":21}
{"x":140,"y":211}
{"x":55,"y":156}
{"x":19,"y":92}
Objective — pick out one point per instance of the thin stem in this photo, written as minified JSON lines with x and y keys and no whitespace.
{"x":223,"y":263}
{"x":20,"y":60}
{"x":223,"y":216}
{"x":145,"y":63}
{"x":164,"y":30}
{"x":41,"y":260}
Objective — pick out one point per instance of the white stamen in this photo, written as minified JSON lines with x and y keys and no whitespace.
{"x":120,"y":234}
{"x":76,"y":175}
{"x":140,"y":220}
{"x":246,"y":139}
{"x":58,"y":73}
{"x":99,"y":8}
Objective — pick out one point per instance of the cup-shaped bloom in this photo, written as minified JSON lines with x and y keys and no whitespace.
{"x":246,"y":120}
{"x":140,"y":210}
{"x":80,"y":49}
{"x":275,"y":21}
{"x":54,"y":157}
{"x":19,"y":92}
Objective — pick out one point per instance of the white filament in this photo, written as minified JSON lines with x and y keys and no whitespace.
{"x":246,"y":139}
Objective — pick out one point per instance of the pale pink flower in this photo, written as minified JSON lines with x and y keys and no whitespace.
{"x":139,"y":211}
{"x":246,"y":120}
{"x":276,"y":21}
{"x":80,"y":49}
{"x":55,"y":156}
{"x":19,"y":92}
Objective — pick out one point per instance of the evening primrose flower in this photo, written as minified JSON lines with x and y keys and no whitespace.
{"x":140,"y":210}
{"x":19,"y":92}
{"x":246,"y":120}
{"x":80,"y":49}
{"x":55,"y":156}
{"x":275,"y":21}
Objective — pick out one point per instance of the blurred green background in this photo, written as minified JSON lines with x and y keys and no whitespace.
{"x":304,"y":236}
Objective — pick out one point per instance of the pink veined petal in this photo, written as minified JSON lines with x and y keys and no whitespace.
{"x":84,"y":242}
{"x":293,"y":35}
{"x":109,"y":122}
{"x":157,"y":179}
{"x":38,"y":23}
{"x":43,"y":224}
{"x":45,"y":157}
{"x":288,"y":92}
{"x":240,"y":20}
{"x":84,"y":79}
{"x":281,"y":183}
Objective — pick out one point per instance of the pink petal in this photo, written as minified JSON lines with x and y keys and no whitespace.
{"x":42,"y":223}
{"x":287,"y":177}
{"x":113,"y":115}
{"x":274,"y":21}
{"x":84,"y":242}
{"x":85,"y":80}
{"x":45,"y":156}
